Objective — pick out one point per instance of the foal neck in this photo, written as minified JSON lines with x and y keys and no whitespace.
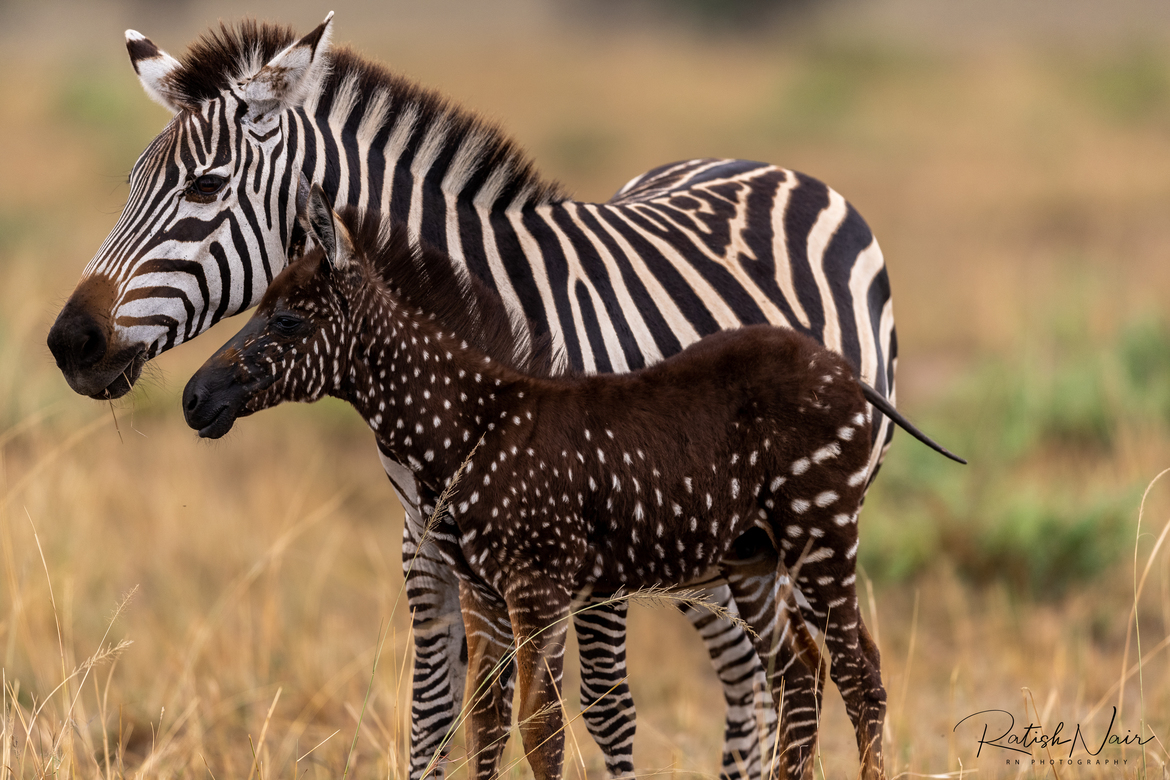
{"x":427,"y":394}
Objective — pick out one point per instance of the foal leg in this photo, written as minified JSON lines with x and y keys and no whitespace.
{"x":489,"y":664}
{"x":539,"y":609}
{"x":856,"y":671}
{"x":734,"y":658}
{"x":873,"y":713}
{"x":605,"y":692}
{"x":828,"y":583}
{"x":792,"y":661}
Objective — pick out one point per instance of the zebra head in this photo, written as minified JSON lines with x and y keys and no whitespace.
{"x":208,"y":222}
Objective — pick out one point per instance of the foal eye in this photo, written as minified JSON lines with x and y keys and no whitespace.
{"x":207,"y":185}
{"x":286,"y":324}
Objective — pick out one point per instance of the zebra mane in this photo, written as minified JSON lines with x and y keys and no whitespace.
{"x":221,"y":57}
{"x":425,"y":279}
{"x":480,"y":153}
{"x":480,"y":156}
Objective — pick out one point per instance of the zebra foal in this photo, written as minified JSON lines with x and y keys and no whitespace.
{"x":680,"y":252}
{"x":743,"y":456}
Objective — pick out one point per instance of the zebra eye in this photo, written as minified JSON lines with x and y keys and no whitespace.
{"x":207,"y":185}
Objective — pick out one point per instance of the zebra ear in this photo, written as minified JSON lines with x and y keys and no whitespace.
{"x":154,"y":68}
{"x":326,"y":229}
{"x":290,"y":77}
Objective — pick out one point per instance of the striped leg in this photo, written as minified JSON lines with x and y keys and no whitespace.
{"x":605,"y":693}
{"x":432,"y":592}
{"x":440,"y":645}
{"x":793,"y":664}
{"x":441,"y":652}
{"x":609,"y":707}
{"x":744,"y":687}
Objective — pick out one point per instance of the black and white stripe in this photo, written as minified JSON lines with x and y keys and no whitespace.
{"x":680,"y":252}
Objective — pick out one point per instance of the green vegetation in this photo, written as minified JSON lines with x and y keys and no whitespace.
{"x":1133,"y":86}
{"x":1037,"y":426}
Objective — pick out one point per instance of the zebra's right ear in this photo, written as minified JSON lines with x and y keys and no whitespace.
{"x":323,"y":224}
{"x":154,"y":68}
{"x":288,"y":79}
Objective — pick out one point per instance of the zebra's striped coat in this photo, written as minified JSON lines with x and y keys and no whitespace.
{"x":682,"y":251}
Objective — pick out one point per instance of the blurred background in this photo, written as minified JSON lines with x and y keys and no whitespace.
{"x":1013,"y":160}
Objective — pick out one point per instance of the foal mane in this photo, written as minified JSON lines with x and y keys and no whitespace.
{"x":425,"y":279}
{"x":475,"y":148}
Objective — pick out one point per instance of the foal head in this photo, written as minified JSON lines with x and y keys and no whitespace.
{"x":298,"y":344}
{"x":330,"y":315}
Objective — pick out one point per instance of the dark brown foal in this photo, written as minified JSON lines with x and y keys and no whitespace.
{"x":743,"y":457}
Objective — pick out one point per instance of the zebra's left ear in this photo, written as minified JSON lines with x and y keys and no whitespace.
{"x":323,"y":224}
{"x":154,"y":68}
{"x":290,"y":77}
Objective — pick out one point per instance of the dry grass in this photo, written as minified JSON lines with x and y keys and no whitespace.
{"x":256,"y":622}
{"x":1009,"y":187}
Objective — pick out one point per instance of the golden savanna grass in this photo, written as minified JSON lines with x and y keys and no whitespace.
{"x":170,"y":607}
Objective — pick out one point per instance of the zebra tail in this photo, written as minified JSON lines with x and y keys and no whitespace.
{"x":885,"y":407}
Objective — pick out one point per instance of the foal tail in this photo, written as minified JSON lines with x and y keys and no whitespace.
{"x":885,"y":407}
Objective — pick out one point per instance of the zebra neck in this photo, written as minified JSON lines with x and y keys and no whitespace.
{"x":378,"y":141}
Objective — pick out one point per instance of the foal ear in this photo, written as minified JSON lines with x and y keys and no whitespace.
{"x":290,"y":77}
{"x":326,"y":229}
{"x":154,"y":68}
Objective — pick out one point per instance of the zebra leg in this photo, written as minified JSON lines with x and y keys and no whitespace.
{"x":792,"y":662}
{"x":440,"y":645}
{"x":539,"y":608}
{"x":440,"y":656}
{"x":605,"y":692}
{"x":734,"y":659}
{"x":489,"y":676}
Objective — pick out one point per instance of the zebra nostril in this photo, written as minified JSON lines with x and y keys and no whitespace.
{"x":192,"y":402}
{"x":92,"y":347}
{"x":76,"y":341}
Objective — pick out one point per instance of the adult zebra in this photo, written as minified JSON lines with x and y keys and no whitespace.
{"x":679,"y":252}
